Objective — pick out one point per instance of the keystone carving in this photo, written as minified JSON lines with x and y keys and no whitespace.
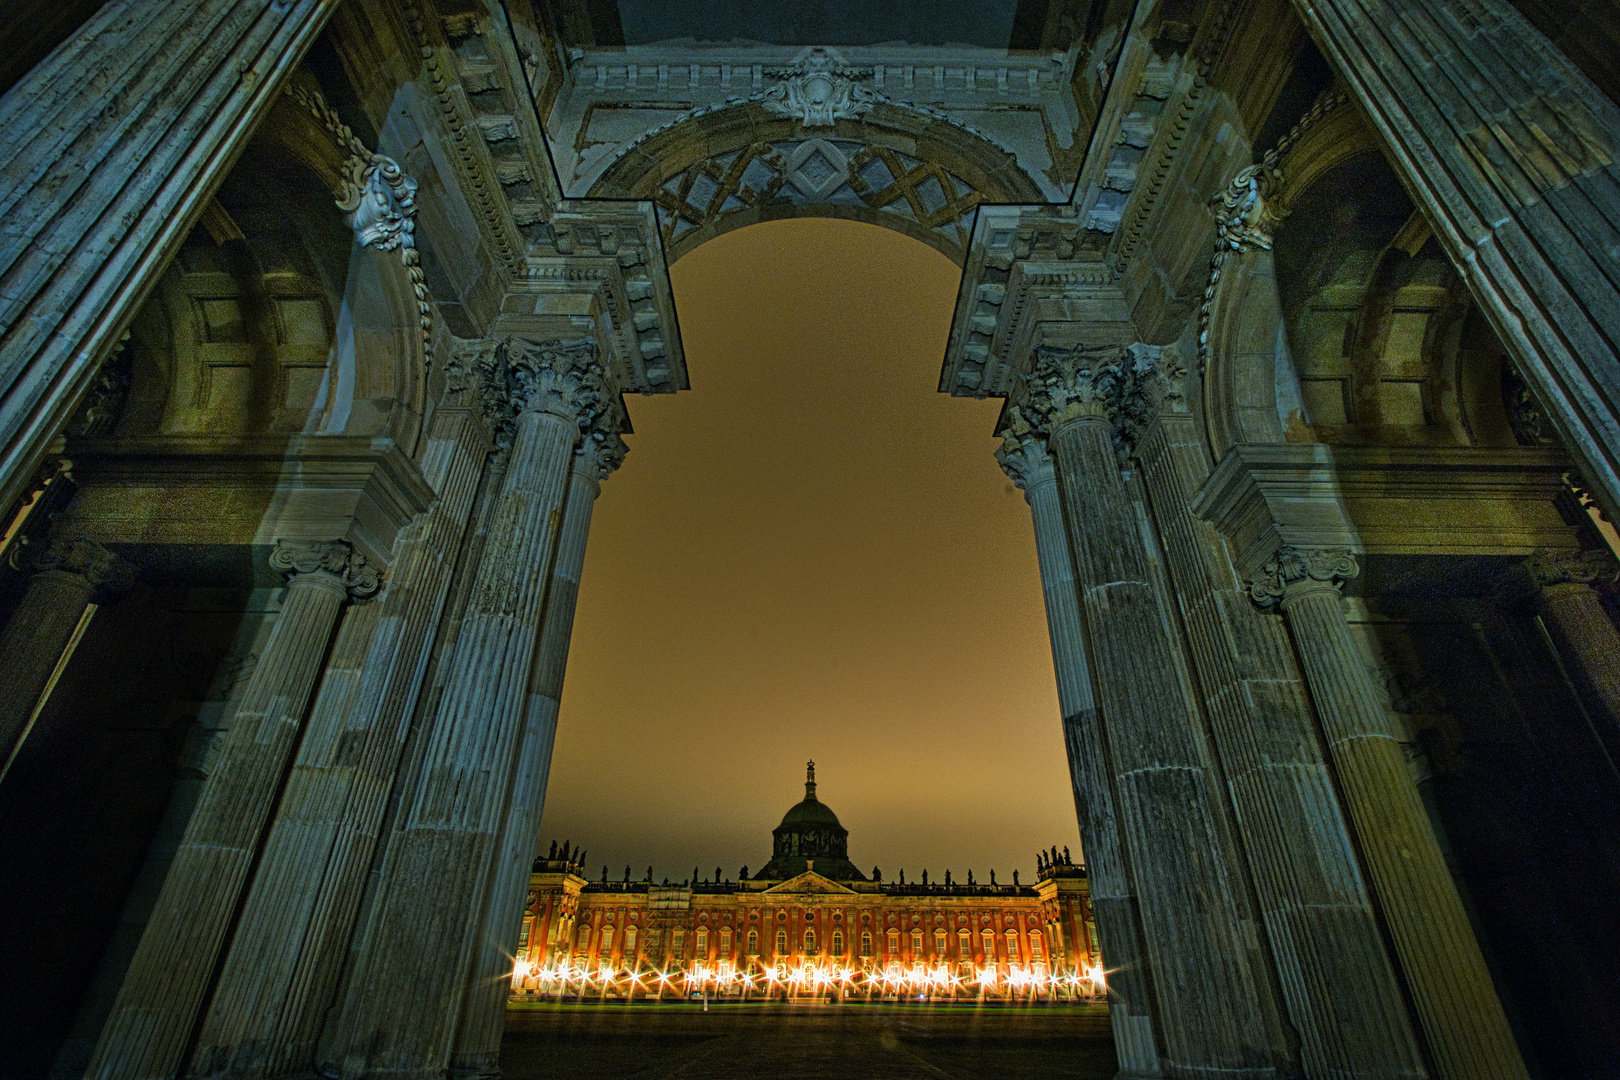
{"x":819,"y":90}
{"x":1593,"y":567}
{"x":1292,"y":567}
{"x":335,"y":557}
{"x":1247,"y":213}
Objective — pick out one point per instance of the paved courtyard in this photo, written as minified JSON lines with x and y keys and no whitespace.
{"x":741,"y":1042}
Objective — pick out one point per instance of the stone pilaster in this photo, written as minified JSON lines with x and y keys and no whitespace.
{"x":1451,"y":987}
{"x":111,"y":146}
{"x":1119,"y":930}
{"x":483,"y":1018}
{"x":406,"y":994}
{"x":1565,"y":592}
{"x":152,"y":1019}
{"x":1341,"y":992}
{"x":282,"y":970}
{"x":1510,"y":152}
{"x":67,"y":577}
{"x":1089,"y":401}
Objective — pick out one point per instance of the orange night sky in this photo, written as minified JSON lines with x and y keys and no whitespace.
{"x":811,"y":554}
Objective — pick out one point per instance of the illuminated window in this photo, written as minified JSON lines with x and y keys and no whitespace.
{"x":630,"y":936}
{"x":1035,"y":949}
{"x":894,"y":943}
{"x":725,"y":942}
{"x":753,"y":943}
{"x":809,"y":941}
{"x":523,"y":935}
{"x":702,"y":944}
{"x":964,"y":945}
{"x":916,"y":945}
{"x":838,"y":943}
{"x":1013,"y":955}
{"x":939,"y":943}
{"x":866,"y":943}
{"x":989,"y":938}
{"x":583,"y":942}
{"x":677,"y":945}
{"x":607,"y":942}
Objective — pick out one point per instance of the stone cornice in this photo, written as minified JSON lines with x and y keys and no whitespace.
{"x":1386,"y":500}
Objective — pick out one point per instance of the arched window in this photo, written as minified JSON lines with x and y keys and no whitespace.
{"x":809,"y":941}
{"x":583,"y":942}
{"x":753,"y":943}
{"x":1013,"y":953}
{"x":894,"y":944}
{"x":838,"y":943}
{"x":1037,"y":948}
{"x":916,"y":945}
{"x":866,"y":943}
{"x":964,"y":945}
{"x":607,"y":943}
{"x":677,"y":945}
{"x":989,"y":941}
{"x":702,"y":944}
{"x":725,"y":941}
{"x":939,"y":944}
{"x":630,"y":936}
{"x":781,"y":943}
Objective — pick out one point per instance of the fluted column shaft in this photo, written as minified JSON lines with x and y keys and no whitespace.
{"x":1336,"y":977}
{"x":405,"y":997}
{"x":483,"y":1017}
{"x":68,"y":575}
{"x":1451,"y":987}
{"x":1575,"y":612}
{"x":109,"y":148}
{"x":1205,"y":989}
{"x":1119,"y":930}
{"x":281,"y":972}
{"x":152,"y":1018}
{"x":1511,"y":153}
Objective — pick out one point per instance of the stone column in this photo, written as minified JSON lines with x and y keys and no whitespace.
{"x":151,"y":1021}
{"x":1450,"y":985}
{"x":111,"y":146}
{"x":405,"y":994}
{"x":1574,"y":612}
{"x":1119,"y":927}
{"x":1341,"y":991}
{"x":67,"y":575}
{"x":281,"y":972}
{"x":1208,"y":994}
{"x":1511,"y":153}
{"x":483,"y":1015}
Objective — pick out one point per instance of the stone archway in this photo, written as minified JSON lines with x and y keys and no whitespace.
{"x":899,"y":167}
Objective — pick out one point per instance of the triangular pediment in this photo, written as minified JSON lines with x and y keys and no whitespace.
{"x":810,"y":882}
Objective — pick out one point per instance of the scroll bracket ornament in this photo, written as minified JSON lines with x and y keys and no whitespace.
{"x":1590,"y":567}
{"x":819,"y":90}
{"x":336,"y":558}
{"x":1293,"y":569}
{"x":380,"y":201}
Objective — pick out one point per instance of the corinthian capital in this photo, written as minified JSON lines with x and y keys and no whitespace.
{"x":1595,"y":567}
{"x":334,"y":558}
{"x":600,"y":453}
{"x":563,"y":378}
{"x":76,"y":555}
{"x":1023,"y":454}
{"x":1122,"y":384}
{"x":1293,"y":568}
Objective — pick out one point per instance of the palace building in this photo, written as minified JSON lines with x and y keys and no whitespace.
{"x":809,"y":923}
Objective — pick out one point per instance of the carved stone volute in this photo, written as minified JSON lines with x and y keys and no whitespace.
{"x":563,"y":378}
{"x":1590,"y":567}
{"x":333,"y":562}
{"x":1122,"y":384}
{"x":1023,"y":454}
{"x":76,"y":555}
{"x":600,"y":453}
{"x":1247,"y":213}
{"x":1295,"y":569}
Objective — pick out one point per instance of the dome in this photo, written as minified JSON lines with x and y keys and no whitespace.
{"x":810,"y":812}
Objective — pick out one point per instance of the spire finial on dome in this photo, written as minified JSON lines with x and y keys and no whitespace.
{"x":810,"y":780}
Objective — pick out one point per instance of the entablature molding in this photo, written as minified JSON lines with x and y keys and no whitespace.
{"x":1455,"y":501}
{"x":228,"y":490}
